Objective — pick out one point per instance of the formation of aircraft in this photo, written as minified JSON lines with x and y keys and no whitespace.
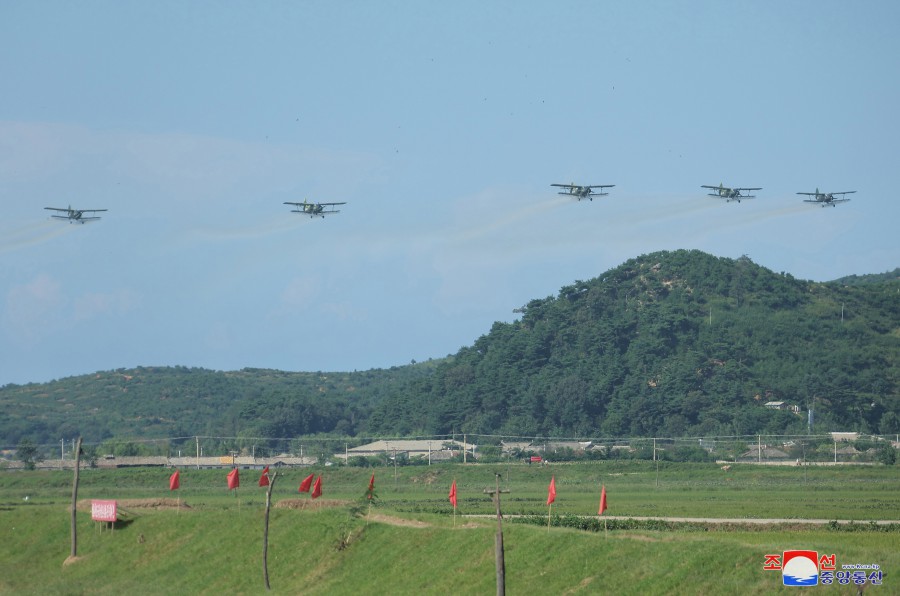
{"x":314,"y":209}
{"x":583,"y":192}
{"x":75,"y":215}
{"x":826,"y":198}
{"x":571,"y":190}
{"x":729,"y":194}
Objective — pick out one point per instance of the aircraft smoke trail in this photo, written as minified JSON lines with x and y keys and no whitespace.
{"x":275,"y":225}
{"x":32,"y":235}
{"x":507,"y":218}
{"x":786,"y":210}
{"x":647,"y":212}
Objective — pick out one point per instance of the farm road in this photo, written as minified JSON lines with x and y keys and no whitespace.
{"x":733,"y":520}
{"x":754,"y":520}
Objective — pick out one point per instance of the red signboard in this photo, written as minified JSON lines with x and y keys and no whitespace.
{"x":535,"y":459}
{"x":104,"y":511}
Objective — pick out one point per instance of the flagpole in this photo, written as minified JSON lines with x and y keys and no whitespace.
{"x":549,"y":510}
{"x":602,"y":509}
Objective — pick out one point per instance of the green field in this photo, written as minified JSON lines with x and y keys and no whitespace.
{"x":412,"y":544}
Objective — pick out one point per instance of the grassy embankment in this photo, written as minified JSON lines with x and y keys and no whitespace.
{"x":411,"y":544}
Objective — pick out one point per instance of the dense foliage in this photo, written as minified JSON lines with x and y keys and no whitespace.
{"x":157,"y":402}
{"x":668,"y":344}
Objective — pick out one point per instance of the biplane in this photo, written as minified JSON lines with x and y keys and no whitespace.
{"x":314,"y":209}
{"x":583,"y":192}
{"x":75,"y":215}
{"x":826,"y":198}
{"x":729,"y":194}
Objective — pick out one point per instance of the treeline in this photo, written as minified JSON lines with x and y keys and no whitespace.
{"x":668,"y":344}
{"x":160,"y":402}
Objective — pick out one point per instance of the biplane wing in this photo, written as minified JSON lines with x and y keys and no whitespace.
{"x":75,"y":214}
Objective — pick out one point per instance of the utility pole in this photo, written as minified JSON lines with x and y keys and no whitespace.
{"x":498,"y":541}
{"x":656,"y":459}
{"x":75,"y":499}
{"x":265,"y":557}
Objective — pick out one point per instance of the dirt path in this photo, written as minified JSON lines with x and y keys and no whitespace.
{"x":398,"y":521}
{"x":755,"y":521}
{"x":732,"y":520}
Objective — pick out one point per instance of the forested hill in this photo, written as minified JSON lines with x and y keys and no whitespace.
{"x":157,"y":402}
{"x":667,"y":344}
{"x":671,"y":344}
{"x":858,"y":280}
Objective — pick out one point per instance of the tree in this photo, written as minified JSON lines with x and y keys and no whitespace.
{"x":887,"y":455}
{"x":890,"y":423}
{"x":28,"y":453}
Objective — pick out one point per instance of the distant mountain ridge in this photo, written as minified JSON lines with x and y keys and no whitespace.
{"x":674,"y":343}
{"x":858,"y":280}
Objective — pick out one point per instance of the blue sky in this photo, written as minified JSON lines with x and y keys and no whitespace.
{"x":442,"y":126}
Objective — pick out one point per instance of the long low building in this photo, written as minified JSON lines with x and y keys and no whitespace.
{"x":433,"y":450}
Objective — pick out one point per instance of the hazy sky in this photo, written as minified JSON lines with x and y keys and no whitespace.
{"x":442,"y":125}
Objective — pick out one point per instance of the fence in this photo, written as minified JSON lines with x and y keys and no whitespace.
{"x":831,"y":448}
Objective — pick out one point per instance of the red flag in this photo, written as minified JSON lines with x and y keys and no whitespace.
{"x":602,"y":501}
{"x":371,"y":491}
{"x":264,"y":479}
{"x":551,"y":492}
{"x":233,"y":480}
{"x":453,"y":494}
{"x":317,"y":488}
{"x":173,"y":481}
{"x":307,"y":482}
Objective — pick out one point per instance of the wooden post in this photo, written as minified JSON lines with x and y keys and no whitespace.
{"x":265,"y":557}
{"x":74,"y":552}
{"x":498,"y":541}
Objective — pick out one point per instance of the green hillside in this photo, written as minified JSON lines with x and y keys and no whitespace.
{"x":858,"y":280}
{"x":157,"y":402}
{"x":668,"y":344}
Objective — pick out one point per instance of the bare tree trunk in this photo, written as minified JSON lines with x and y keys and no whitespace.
{"x":265,"y":557}
{"x":498,"y":545}
{"x":75,"y":498}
